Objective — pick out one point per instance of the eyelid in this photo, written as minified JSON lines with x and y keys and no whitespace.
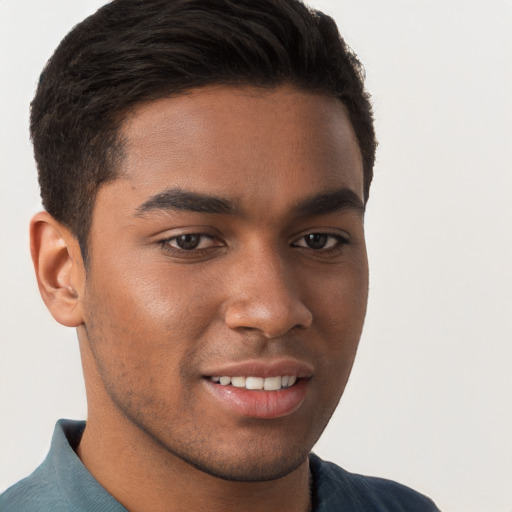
{"x":339,"y":241}
{"x":207,"y":236}
{"x":326,"y":231}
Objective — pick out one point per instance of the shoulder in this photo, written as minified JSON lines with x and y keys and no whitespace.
{"x":61,"y":483}
{"x":43,"y":491}
{"x":34,"y":493}
{"x":334,"y":487}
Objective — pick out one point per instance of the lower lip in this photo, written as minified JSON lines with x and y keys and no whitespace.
{"x":260,"y":404}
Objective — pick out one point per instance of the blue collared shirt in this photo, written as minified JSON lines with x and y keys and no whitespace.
{"x":63,"y":484}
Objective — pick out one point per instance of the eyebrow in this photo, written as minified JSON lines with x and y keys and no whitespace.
{"x":329,"y":202}
{"x":181,"y":200}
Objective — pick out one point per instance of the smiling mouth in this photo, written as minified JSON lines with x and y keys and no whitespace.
{"x":256,"y":383}
{"x":260,"y":389}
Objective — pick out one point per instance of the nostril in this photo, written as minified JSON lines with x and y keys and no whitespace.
{"x":270,"y":320}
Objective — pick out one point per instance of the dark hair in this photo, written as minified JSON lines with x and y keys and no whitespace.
{"x":133,"y":51}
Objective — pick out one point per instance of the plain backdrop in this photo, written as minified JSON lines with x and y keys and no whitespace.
{"x":429,"y":402}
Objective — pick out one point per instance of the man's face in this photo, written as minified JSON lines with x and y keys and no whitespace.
{"x":230,"y":248}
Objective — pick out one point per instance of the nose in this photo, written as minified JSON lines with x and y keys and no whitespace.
{"x":264,"y":296}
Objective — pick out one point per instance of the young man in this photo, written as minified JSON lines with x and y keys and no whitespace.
{"x":205,"y":167}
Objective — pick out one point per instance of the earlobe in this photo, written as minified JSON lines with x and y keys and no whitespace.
{"x":59,"y":268}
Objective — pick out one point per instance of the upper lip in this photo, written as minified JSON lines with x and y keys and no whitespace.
{"x":262,"y":368}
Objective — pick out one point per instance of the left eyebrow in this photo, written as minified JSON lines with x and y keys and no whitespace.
{"x":329,"y":202}
{"x":182,"y":200}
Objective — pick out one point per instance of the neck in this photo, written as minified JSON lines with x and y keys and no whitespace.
{"x":144,"y":477}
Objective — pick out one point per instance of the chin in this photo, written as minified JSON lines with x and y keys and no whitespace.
{"x":246,"y":469}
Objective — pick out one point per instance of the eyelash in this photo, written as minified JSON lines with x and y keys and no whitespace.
{"x":166,"y":243}
{"x":339,"y":240}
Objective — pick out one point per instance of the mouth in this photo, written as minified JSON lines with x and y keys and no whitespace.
{"x":260,"y":389}
{"x":257,"y":383}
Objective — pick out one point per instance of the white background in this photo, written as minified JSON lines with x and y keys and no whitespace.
{"x":430,"y":399}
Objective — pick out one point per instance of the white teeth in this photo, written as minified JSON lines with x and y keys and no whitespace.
{"x":272,"y":383}
{"x":257,"y":383}
{"x":254,"y":382}
{"x":238,"y":382}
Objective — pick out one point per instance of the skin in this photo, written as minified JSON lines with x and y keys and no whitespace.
{"x":153,"y":318}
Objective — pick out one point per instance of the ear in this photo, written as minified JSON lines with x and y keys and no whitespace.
{"x":59,"y":268}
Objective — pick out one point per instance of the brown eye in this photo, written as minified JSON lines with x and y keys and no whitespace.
{"x":320,"y":241}
{"x":316,"y":240}
{"x":188,"y":242}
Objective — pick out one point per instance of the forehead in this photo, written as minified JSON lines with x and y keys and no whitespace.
{"x":241,"y":143}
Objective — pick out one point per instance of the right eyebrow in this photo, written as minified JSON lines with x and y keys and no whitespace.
{"x":181,"y":200}
{"x":330,"y":201}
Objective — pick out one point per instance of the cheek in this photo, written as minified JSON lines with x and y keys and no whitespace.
{"x":143,"y":328}
{"x":340,"y":299}
{"x":157,"y":302}
{"x":340,"y":308}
